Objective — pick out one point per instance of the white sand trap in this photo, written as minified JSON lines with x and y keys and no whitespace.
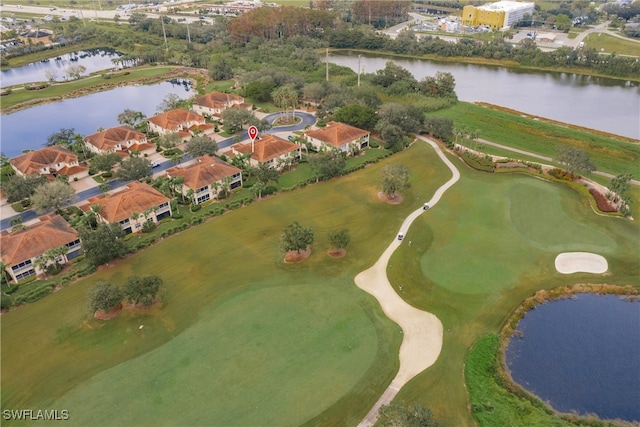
{"x":581,"y":262}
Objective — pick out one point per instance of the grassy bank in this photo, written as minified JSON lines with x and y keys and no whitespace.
{"x":609,"y":44}
{"x":609,"y":153}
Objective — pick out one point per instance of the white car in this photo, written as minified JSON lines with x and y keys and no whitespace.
{"x":155,"y":164}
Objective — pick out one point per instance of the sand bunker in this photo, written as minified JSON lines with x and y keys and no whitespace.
{"x":580,"y":262}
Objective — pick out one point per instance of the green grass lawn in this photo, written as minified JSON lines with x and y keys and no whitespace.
{"x":477,"y":254}
{"x":242,"y":337}
{"x":612,"y":44}
{"x":608,"y":153}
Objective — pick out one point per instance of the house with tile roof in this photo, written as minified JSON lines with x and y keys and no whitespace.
{"x":214,"y":103}
{"x":340,"y":136}
{"x":22,"y":249}
{"x":51,"y":161}
{"x":121,"y":140}
{"x":271,"y":150}
{"x":178,"y":121}
{"x":131,"y":207}
{"x":205,"y":176}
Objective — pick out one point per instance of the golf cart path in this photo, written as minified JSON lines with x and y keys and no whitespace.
{"x":422,"y":331}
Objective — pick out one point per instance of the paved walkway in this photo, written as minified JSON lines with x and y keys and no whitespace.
{"x":422,"y":331}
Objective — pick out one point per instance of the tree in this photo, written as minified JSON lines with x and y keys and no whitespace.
{"x":52,"y":196}
{"x":264,"y":174}
{"x":285,"y":97}
{"x":259,"y":91}
{"x":440,"y":127}
{"x":574,"y":160}
{"x":357,"y":115}
{"x":200,"y":146}
{"x":327,"y":164}
{"x":20,"y":187}
{"x":169,"y":140}
{"x":563,"y":22}
{"x":51,"y":75}
{"x":393,"y":136}
{"x":395,"y":178}
{"x":134,"y":168}
{"x":407,"y":117}
{"x":62,"y":137}
{"x":235,"y":118}
{"x":104,"y":162}
{"x":402,"y":415}
{"x":618,"y":187}
{"x":169,"y":102}
{"x":296,"y":238}
{"x":339,"y":239}
{"x":104,"y":296}
{"x":131,"y":118}
{"x":74,"y":71}
{"x":142,"y":290}
{"x":102,"y":244}
{"x":220,"y":70}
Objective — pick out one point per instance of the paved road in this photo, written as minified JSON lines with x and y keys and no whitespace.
{"x":307,"y":120}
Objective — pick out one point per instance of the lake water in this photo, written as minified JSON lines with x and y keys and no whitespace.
{"x":604,"y":104}
{"x":581,"y":355}
{"x":29,"y":129}
{"x":94,"y":60}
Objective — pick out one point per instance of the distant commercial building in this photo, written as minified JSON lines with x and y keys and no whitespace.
{"x":502,"y":14}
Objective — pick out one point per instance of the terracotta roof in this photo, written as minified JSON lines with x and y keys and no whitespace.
{"x":71,"y":170}
{"x":108,"y":139}
{"x":50,"y":233}
{"x":337,"y":134}
{"x":267,"y":147}
{"x":137,"y":197}
{"x":218,"y":100}
{"x":33,"y":161}
{"x":173,"y":119}
{"x":204,"y":127}
{"x":204,"y":171}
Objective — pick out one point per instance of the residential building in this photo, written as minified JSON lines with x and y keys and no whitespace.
{"x":132,"y":207}
{"x":214,"y":103}
{"x":176,"y":121}
{"x":50,"y":161}
{"x":271,"y":150}
{"x":22,"y":249}
{"x":339,"y":135}
{"x":121,"y":140}
{"x":36,"y":36}
{"x":499,"y":15}
{"x":205,"y":176}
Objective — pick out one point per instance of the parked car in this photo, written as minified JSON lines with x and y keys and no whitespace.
{"x":155,"y":164}
{"x":425,"y":206}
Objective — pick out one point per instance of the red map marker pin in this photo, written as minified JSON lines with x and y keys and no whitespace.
{"x":253,"y":132}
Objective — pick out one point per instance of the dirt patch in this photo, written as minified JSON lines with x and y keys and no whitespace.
{"x":336,"y":253}
{"x":295,"y":256}
{"x":102,"y":315}
{"x":396,"y":199}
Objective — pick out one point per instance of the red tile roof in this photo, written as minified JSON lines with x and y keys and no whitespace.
{"x":267,"y":147}
{"x":218,"y":100}
{"x":337,"y":134}
{"x":33,"y":161}
{"x":173,"y":119}
{"x":204,"y":171}
{"x":108,"y":139}
{"x":49,"y":233}
{"x":137,"y":197}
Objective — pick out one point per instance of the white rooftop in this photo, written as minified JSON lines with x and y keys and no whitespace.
{"x":506,"y":6}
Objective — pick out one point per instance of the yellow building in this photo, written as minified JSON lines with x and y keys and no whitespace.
{"x":498,"y":15}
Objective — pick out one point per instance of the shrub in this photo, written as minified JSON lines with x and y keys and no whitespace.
{"x":148,"y":226}
{"x":480,"y":163}
{"x":562,"y":174}
{"x":195,"y":208}
{"x":604,"y":205}
{"x":6,"y":302}
{"x":269,"y":190}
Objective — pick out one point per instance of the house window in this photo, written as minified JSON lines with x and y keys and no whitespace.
{"x":124,"y":222}
{"x":201,"y":189}
{"x":235,"y":176}
{"x":21,"y":265}
{"x":74,"y":243}
{"x":26,"y":274}
{"x":203,"y":198}
{"x":163,"y":205}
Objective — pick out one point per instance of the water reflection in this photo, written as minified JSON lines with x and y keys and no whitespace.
{"x":93,"y":60}
{"x":29,"y":129}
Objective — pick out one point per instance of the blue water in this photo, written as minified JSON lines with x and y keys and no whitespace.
{"x":581,"y":355}
{"x":29,"y":129}
{"x":94,"y":60}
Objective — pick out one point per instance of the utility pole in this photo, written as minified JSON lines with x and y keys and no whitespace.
{"x":359,"y":57}
{"x":164,"y":33}
{"x":327,"y":64}
{"x":188,"y":33}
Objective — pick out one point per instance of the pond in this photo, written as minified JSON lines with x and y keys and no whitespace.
{"x":581,"y":355}
{"x":597,"y":103}
{"x":29,"y":129}
{"x":93,"y":60}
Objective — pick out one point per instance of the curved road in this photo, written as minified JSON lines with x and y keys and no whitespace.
{"x":422,"y":331}
{"x":307,"y":120}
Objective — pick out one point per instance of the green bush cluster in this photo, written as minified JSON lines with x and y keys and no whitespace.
{"x":562,"y":174}
{"x":34,"y":294}
{"x":476,"y":162}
